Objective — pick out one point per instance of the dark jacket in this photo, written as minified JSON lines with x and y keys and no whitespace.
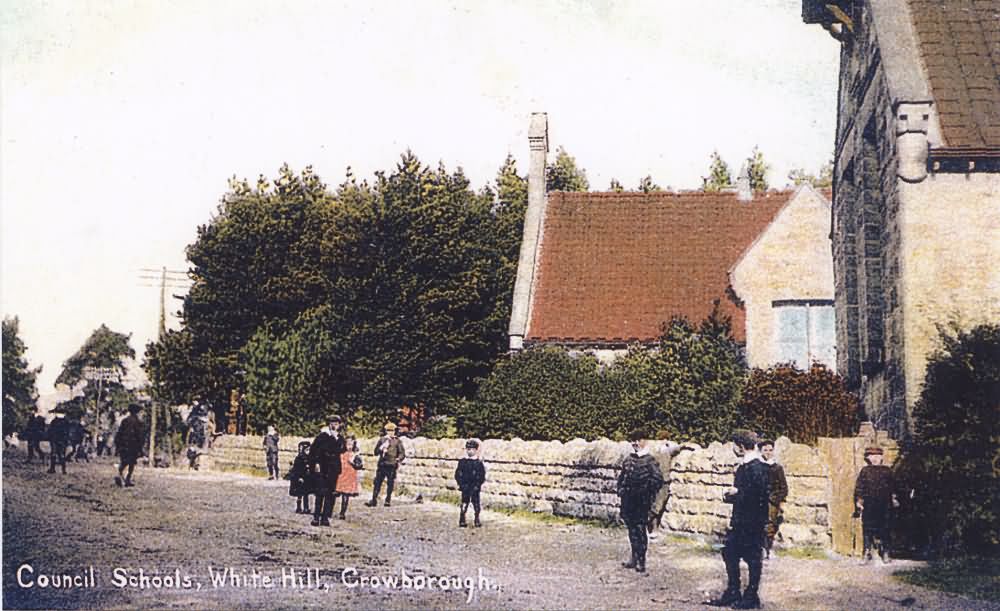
{"x":128,"y":440}
{"x":638,"y":482}
{"x":324,"y":456}
{"x":271,"y":443}
{"x":35,"y":430}
{"x":875,"y":485}
{"x":779,"y":485}
{"x":58,"y":433}
{"x":752,"y":483}
{"x":299,"y":477}
{"x":470,"y":474}
{"x":391,"y":450}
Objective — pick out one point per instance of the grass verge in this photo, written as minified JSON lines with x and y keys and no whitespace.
{"x":970,"y":576}
{"x":806,"y":552}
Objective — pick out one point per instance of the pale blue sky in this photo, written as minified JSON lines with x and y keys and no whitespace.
{"x":121,"y":121}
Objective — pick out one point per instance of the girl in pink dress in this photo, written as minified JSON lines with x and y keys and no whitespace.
{"x":347,"y":481}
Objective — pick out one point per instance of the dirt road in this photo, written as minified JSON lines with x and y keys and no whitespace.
{"x":197,"y":540}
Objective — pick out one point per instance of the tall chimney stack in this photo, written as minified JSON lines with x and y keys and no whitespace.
{"x":534,"y":216}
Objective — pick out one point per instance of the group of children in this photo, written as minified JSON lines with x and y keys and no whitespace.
{"x":470,"y":474}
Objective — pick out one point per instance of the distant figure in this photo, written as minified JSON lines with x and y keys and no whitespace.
{"x":391,"y":454}
{"x":34,"y":433}
{"x":85,"y":449}
{"x":874,"y":494}
{"x":128,"y":443}
{"x":470,"y":475}
{"x":639,"y":480}
{"x":749,"y":497}
{"x":664,"y":454}
{"x":75,"y":436}
{"x":777,"y":494}
{"x":324,"y":464}
{"x":197,"y":434}
{"x":347,"y":481}
{"x":300,"y":480}
{"x":58,"y":435}
{"x":102,"y":443}
{"x":271,"y":452}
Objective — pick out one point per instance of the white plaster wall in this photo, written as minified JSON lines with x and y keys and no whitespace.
{"x":792,"y":259}
{"x":950,"y":262}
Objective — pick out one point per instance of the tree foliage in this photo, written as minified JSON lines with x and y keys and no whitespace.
{"x":719,"y":176}
{"x":953,"y":461}
{"x":822,"y":180}
{"x":758,"y":169}
{"x":563,"y":175}
{"x":20,"y":395}
{"x":105,"y":349}
{"x":646,"y":185}
{"x":783,"y":400}
{"x":615,"y":186}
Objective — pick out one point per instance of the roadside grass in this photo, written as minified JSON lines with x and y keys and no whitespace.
{"x":696,"y":545}
{"x":970,"y":576}
{"x":805,"y":552}
{"x":453,"y":498}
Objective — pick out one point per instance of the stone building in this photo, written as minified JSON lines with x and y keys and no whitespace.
{"x":600,"y":271}
{"x":916,"y":193}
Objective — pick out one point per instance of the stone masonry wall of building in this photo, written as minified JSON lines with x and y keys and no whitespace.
{"x":578,"y":479}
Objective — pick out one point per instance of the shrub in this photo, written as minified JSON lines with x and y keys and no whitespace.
{"x":951,"y":464}
{"x":783,"y":400}
{"x":542,"y":393}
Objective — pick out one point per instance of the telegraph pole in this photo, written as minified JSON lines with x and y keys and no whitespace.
{"x":176,"y":279}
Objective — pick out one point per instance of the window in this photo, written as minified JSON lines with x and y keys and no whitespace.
{"x":805,"y":333}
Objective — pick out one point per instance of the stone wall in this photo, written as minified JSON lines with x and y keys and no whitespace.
{"x":578,"y":479}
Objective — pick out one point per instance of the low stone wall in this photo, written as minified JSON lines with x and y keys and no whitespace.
{"x":701,"y":476}
{"x":578,"y":479}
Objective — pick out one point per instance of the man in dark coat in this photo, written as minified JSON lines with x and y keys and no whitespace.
{"x":749,"y":497}
{"x":639,"y":480}
{"x":34,"y":433}
{"x":391,"y":453}
{"x":128,"y":443}
{"x":58,"y":435}
{"x":324,"y":462}
{"x":470,"y":475}
{"x":874,"y":494}
{"x":777,"y":494}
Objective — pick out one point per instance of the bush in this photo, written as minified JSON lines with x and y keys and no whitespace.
{"x":542,"y":393}
{"x":783,"y":400}
{"x":951,"y":464}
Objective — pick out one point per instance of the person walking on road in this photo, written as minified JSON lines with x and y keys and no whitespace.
{"x":391,"y":454}
{"x":749,"y":497}
{"x":639,"y":480}
{"x":324,"y":462}
{"x":271,"y":452}
{"x":58,"y":435}
{"x":34,"y":433}
{"x":128,"y":443}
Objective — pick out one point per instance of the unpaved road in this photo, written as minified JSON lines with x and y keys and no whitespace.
{"x":181,"y":528}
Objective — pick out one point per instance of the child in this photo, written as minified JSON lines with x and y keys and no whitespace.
{"x":470,"y":476}
{"x":271,"y":449}
{"x":347,"y":481}
{"x":874,"y":493}
{"x":299,"y":480}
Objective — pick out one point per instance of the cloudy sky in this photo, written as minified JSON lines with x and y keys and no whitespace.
{"x":122,"y":121}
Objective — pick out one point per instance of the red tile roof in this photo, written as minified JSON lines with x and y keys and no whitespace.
{"x":615,"y":266}
{"x":960,"y":45}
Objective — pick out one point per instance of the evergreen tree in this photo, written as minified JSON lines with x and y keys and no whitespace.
{"x":616,"y":186}
{"x":758,"y":170}
{"x":563,"y":175}
{"x":719,"y":177}
{"x":646,"y":185}
{"x":20,"y":395}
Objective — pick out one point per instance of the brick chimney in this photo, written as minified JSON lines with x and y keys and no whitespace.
{"x":534,"y":216}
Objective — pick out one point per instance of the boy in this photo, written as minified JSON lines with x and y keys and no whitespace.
{"x":299,"y":480}
{"x":639,"y":481}
{"x":470,"y":475}
{"x":777,"y":495}
{"x":873,"y":495}
{"x":749,"y":496}
{"x":391,"y":453}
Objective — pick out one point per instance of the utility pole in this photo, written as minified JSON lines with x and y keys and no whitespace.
{"x":177,"y":279}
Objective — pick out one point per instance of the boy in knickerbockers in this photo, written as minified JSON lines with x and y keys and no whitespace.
{"x":470,"y":475}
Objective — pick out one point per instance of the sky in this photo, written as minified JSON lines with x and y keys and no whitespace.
{"x":121,"y":121}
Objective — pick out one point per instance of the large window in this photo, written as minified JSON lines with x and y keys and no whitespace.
{"x":805,"y":333}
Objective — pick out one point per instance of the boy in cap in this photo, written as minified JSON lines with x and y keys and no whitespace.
{"x":470,"y":475}
{"x":874,"y":493}
{"x":299,"y":480}
{"x":391,"y":453}
{"x":749,"y":497}
{"x":639,"y":480}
